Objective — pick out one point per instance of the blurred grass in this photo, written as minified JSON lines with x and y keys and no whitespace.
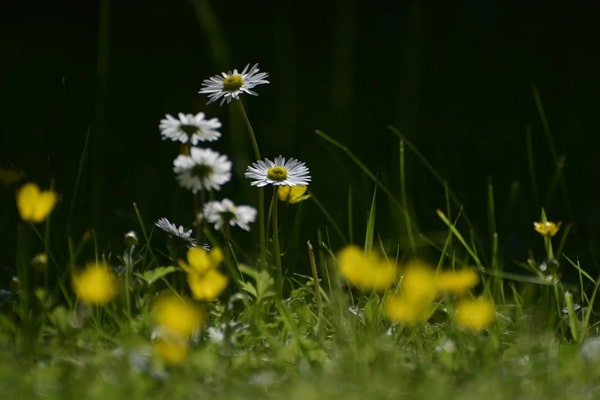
{"x":449,"y":78}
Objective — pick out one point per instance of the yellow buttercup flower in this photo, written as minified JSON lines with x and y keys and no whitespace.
{"x":201,"y":261}
{"x":171,"y":351}
{"x":35,"y":205}
{"x":403,"y":309}
{"x":365,"y":270}
{"x":415,"y":301}
{"x":207,"y":286}
{"x":418,"y":283}
{"x":546,"y":228}
{"x":476,"y":314}
{"x":178,"y":314}
{"x":293,"y":194}
{"x":457,"y":282}
{"x":95,"y":284}
{"x":204,"y":279}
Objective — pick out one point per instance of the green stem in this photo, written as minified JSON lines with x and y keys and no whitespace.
{"x":128,"y":259}
{"x":24,"y":276}
{"x":261,"y":193}
{"x":549,"y":250}
{"x":316,"y":285}
{"x":276,"y":250}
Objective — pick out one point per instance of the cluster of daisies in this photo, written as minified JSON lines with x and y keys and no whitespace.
{"x":202,"y":169}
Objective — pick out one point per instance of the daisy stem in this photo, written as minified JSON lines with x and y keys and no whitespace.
{"x":261,"y":193}
{"x":250,"y":130}
{"x":276,"y":250}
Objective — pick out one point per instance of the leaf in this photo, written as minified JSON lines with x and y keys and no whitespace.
{"x":153,"y":275}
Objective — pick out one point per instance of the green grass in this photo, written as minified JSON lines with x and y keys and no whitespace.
{"x":279,"y":333}
{"x":258,"y":345}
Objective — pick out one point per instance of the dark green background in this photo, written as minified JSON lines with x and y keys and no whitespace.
{"x":455,"y":78}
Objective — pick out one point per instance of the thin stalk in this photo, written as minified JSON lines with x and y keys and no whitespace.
{"x":278,"y":272}
{"x":315,"y":276}
{"x":261,"y":192}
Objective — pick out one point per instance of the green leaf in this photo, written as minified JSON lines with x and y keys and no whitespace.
{"x":153,"y":275}
{"x":371,"y":225}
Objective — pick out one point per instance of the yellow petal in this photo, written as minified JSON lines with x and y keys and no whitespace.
{"x":293,"y":194}
{"x":418,"y":283}
{"x":366,"y":271}
{"x":172,"y":352}
{"x":207,"y":286}
{"x":96,"y":284}
{"x":201,"y":260}
{"x":475,"y":314}
{"x":35,"y":205}
{"x":546,"y":228}
{"x":457,"y":282}
{"x":178,"y":314}
{"x":400,"y":308}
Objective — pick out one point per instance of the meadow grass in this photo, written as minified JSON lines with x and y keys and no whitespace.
{"x":272,"y":335}
{"x":209,"y":312}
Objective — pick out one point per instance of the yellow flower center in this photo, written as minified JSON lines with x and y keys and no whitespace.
{"x":233,"y":83}
{"x":277,"y":173}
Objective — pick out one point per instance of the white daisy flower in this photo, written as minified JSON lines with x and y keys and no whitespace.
{"x":278,"y":172}
{"x":231,"y":84}
{"x":225,"y":212}
{"x":190,"y":128}
{"x":203,"y":169}
{"x":176,"y":231}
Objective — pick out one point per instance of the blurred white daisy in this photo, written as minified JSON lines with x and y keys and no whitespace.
{"x":190,"y":128}
{"x":203,"y":169}
{"x":278,"y":172}
{"x":225,"y":212}
{"x":231,"y":84}
{"x":176,"y":231}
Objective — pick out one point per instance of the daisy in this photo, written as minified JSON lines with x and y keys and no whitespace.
{"x":231,"y":84}
{"x":175,"y":231}
{"x":225,"y":212}
{"x":189,"y":127}
{"x":203,"y":169}
{"x":278,"y":172}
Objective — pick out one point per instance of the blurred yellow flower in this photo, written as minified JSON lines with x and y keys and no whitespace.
{"x":293,"y":194}
{"x":417,"y":293}
{"x":365,"y":271}
{"x":35,"y":205}
{"x":171,"y":350}
{"x":475,"y":314}
{"x":418,"y":282}
{"x":178,"y":314}
{"x":204,"y":279}
{"x":546,"y":228}
{"x":457,"y":282}
{"x":207,"y":286}
{"x":403,"y":309}
{"x":95,"y":284}
{"x":201,"y":261}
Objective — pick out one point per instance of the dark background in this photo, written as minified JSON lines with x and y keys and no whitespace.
{"x":455,"y":78}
